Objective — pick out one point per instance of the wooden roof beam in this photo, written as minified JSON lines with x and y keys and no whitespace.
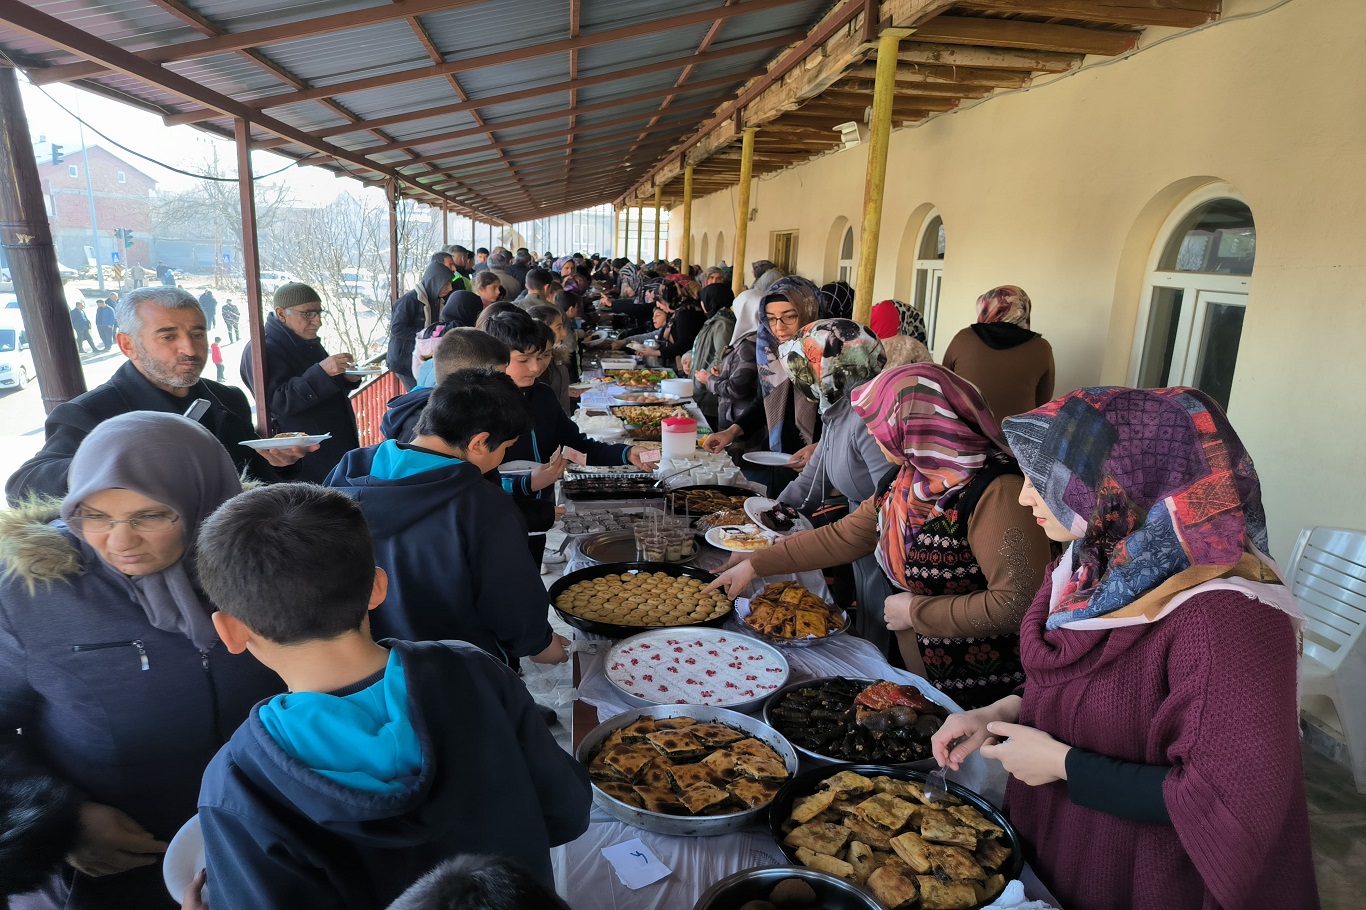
{"x":917,"y":52}
{"x":1176,"y":13}
{"x":938,"y":90}
{"x":925,"y":74}
{"x":1015,"y":33}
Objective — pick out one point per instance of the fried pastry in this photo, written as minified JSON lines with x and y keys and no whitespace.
{"x":938,"y":895}
{"x":863,"y":859}
{"x":819,"y":837}
{"x":663,"y":801}
{"x":846,"y":784}
{"x":943,"y":828}
{"x":914,"y":850}
{"x":677,"y":745}
{"x":703,"y":798}
{"x":753,"y":793}
{"x":823,"y":862}
{"x":808,"y":807}
{"x":685,"y":777}
{"x":886,"y":811}
{"x":893,"y":888}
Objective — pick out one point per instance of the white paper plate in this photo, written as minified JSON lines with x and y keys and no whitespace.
{"x":757,"y":505}
{"x":768,"y":459}
{"x":717,"y":538}
{"x":371,"y":372}
{"x":518,"y":467}
{"x":262,"y":445}
{"x":183,"y":860}
{"x":596,"y":337}
{"x":581,"y":385}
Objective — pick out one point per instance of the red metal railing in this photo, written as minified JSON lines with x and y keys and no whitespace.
{"x":370,"y":400}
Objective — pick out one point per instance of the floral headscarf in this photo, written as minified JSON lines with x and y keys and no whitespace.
{"x":1004,"y":304}
{"x":940,"y":430}
{"x":832,"y":357}
{"x":837,"y":300}
{"x":892,"y":317}
{"x":1155,"y":483}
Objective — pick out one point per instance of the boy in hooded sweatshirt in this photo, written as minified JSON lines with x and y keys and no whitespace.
{"x":458,"y":349}
{"x":383,"y":758}
{"x":452,"y":544}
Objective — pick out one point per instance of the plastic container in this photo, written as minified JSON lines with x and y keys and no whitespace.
{"x":678,"y":436}
{"x":680,"y":387}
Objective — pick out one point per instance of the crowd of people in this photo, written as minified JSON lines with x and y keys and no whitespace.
{"x":316,"y":648}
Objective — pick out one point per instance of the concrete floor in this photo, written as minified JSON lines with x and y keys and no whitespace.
{"x":1337,"y":827}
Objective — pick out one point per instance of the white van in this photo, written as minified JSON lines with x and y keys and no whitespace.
{"x":16,"y":359}
{"x":273,"y":281}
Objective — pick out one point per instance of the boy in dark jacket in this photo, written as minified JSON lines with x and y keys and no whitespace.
{"x":383,"y":759}
{"x":551,"y":428}
{"x":459,"y":349}
{"x":452,"y":544}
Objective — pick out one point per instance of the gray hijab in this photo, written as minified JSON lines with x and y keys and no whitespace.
{"x":178,"y":463}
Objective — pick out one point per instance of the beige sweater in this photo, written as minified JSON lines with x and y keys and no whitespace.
{"x":1007,"y":543}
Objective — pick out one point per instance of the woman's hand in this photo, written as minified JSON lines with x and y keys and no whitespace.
{"x":1030,"y":756}
{"x":735,"y":579}
{"x":963,"y":734}
{"x":802,"y":458}
{"x":557,"y":652}
{"x":897,"y":611}
{"x":718,"y":442}
{"x":547,"y":474}
{"x":193,"y":898}
{"x":110,"y":842}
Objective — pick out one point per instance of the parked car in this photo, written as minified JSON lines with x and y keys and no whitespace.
{"x":16,"y":359}
{"x":273,"y":281}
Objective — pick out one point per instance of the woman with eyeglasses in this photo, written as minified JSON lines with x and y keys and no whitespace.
{"x":110,"y":669}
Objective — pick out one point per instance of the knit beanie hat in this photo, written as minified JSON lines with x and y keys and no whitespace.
{"x":296,"y":293}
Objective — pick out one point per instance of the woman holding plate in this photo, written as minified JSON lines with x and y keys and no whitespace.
{"x":948,"y":531}
{"x":1154,"y":752}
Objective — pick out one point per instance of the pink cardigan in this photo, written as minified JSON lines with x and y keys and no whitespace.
{"x":1209,"y":691}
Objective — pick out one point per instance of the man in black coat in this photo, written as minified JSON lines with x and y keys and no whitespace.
{"x":209,"y":304}
{"x":105,"y":323}
{"x":307,"y":389}
{"x":162,"y":333}
{"x":80,"y":324}
{"x":412,"y":313}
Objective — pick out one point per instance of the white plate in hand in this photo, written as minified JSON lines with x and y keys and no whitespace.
{"x":518,"y":467}
{"x":183,"y":860}
{"x":284,"y":442}
{"x":768,"y":459}
{"x":756,"y":506}
{"x":373,"y":371}
{"x":717,"y":538}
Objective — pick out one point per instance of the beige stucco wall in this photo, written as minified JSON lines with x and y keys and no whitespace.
{"x":1062,"y":190}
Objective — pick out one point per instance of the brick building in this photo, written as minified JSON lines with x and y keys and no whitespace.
{"x":123,"y":199}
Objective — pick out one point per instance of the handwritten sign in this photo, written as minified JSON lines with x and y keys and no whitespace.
{"x":635,"y":864}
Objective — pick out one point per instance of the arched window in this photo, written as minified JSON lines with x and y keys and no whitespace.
{"x":929,"y":272}
{"x":1195,"y":295}
{"x":721,"y":254}
{"x":703,"y":258}
{"x":846,"y":265}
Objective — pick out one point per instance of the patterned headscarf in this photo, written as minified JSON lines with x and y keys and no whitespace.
{"x":892,"y":317}
{"x":759,"y":266}
{"x":773,"y":376}
{"x":938,"y":427}
{"x":837,"y":300}
{"x":1154,"y":482}
{"x":833,"y":357}
{"x":1004,"y":304}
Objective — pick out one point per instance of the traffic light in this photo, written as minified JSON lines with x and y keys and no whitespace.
{"x":126,"y":235}
{"x":57,"y":155}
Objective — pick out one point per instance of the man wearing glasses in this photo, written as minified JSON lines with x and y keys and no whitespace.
{"x":307,"y":389}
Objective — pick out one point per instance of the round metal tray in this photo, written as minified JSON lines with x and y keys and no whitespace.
{"x":734,"y":891}
{"x":820,"y":758}
{"x":805,"y":784}
{"x":618,"y":547}
{"x":719,"y":487}
{"x":612,"y":630}
{"x":680,"y":825}
{"x":745,"y":707}
{"x":741,"y":626}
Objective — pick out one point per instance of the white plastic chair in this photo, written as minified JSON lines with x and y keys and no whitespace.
{"x":1328,"y":577}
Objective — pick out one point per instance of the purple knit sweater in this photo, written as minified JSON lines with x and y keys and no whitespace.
{"x":1209,"y":691}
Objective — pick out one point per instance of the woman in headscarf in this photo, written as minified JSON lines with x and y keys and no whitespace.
{"x":1012,"y":365}
{"x":837,"y":300}
{"x":748,"y":301}
{"x":1154,"y":753}
{"x":793,"y":420}
{"x":892,"y":317}
{"x":412,"y":313}
{"x":832,"y":358}
{"x":711,"y":341}
{"x":109,"y":663}
{"x":948,"y":531}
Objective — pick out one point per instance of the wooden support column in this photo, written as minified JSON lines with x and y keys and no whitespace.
{"x":687,"y":217}
{"x":27,"y":241}
{"x":879,"y":137}
{"x":659,"y":198}
{"x":640,"y":230}
{"x":445,"y":229}
{"x":737,"y":281}
{"x":251,"y":269}
{"x":391,"y":195}
{"x":616,"y":229}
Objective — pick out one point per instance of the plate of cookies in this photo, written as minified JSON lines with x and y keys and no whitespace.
{"x":621,"y":599}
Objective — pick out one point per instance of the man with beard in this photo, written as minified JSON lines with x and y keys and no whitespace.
{"x":162,"y":332}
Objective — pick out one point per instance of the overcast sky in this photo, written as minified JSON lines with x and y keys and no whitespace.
{"x":144,"y":132}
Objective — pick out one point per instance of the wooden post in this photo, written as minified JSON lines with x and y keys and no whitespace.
{"x":880,"y":134}
{"x":640,"y":229}
{"x":737,"y":280}
{"x":27,"y":241}
{"x":391,"y":195}
{"x":659,"y":198}
{"x":616,"y":229}
{"x":251,"y":269}
{"x":687,"y":217}
{"x":445,"y":232}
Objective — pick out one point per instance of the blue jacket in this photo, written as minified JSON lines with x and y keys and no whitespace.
{"x":280,"y":836}
{"x":128,"y":714}
{"x":400,"y":420}
{"x":454,"y":547}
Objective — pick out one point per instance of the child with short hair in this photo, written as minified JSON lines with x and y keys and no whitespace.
{"x":383,"y":759}
{"x":556,"y":373}
{"x":216,"y":355}
{"x":452,"y":544}
{"x":479,"y":883}
{"x":459,"y":349}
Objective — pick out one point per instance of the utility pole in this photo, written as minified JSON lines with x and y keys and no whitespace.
{"x":89,"y":189}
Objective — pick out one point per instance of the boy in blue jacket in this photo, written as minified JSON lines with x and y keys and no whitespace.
{"x":383,"y":758}
{"x":453,"y":545}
